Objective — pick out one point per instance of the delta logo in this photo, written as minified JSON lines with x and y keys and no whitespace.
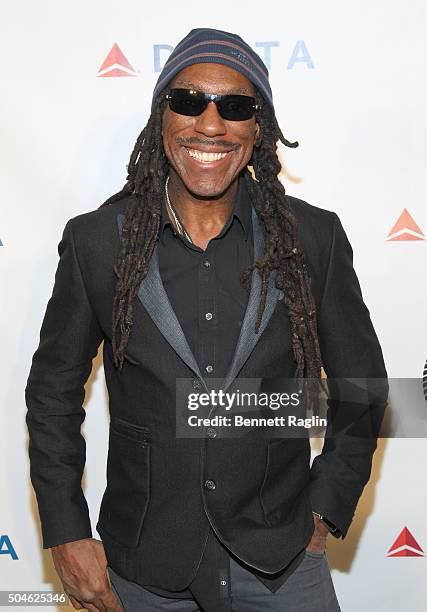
{"x":405,"y":545}
{"x":116,"y":64}
{"x":405,"y":228}
{"x":6,"y":547}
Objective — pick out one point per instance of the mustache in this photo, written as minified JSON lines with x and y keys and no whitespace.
{"x":210,"y":143}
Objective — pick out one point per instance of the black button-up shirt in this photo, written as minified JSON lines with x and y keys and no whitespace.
{"x":204,"y":289}
{"x":209,"y":301}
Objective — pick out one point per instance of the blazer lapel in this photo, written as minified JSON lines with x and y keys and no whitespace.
{"x":154,"y":298}
{"x":248,"y":337}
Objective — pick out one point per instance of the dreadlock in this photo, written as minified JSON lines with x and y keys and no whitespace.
{"x":148,"y":169}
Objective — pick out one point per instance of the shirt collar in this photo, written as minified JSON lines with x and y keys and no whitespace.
{"x":241,"y":210}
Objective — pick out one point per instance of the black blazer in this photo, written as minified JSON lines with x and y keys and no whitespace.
{"x":156,"y":509}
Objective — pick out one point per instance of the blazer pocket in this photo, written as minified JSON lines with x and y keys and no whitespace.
{"x":126,"y":498}
{"x":286,"y":475}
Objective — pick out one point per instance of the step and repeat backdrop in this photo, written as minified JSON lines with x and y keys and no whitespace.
{"x":348,"y":82}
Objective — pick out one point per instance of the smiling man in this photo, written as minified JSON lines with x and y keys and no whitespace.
{"x":207,"y":152}
{"x":200,"y":269}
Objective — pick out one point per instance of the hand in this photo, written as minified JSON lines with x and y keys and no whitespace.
{"x":319,"y":537}
{"x":82,"y":567}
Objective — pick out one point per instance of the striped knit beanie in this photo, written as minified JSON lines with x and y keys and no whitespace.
{"x":209,"y":45}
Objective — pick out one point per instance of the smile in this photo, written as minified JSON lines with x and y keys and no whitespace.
{"x":204,"y":156}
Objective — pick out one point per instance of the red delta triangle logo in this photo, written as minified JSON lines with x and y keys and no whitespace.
{"x":405,"y":228}
{"x":116,"y":64}
{"x":405,"y":545}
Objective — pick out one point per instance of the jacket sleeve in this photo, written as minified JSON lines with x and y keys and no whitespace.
{"x":350,"y":350}
{"x":69,"y":339}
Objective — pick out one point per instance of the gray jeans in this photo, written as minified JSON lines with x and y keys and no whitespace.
{"x":308,"y":589}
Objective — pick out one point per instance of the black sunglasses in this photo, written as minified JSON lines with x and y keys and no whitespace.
{"x":231,"y":107}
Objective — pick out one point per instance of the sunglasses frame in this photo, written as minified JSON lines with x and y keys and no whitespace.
{"x":217,"y":98}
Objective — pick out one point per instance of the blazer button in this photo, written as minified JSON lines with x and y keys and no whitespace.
{"x":196,"y":383}
{"x":210,"y":484}
{"x":211,"y":432}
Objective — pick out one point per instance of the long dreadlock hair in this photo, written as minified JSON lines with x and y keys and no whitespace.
{"x":148,"y":169}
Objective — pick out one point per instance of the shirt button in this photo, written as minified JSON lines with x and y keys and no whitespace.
{"x":207,"y":263}
{"x":208,"y":316}
{"x":212,"y":432}
{"x":210,"y":484}
{"x":196,"y":383}
{"x":209,"y":368}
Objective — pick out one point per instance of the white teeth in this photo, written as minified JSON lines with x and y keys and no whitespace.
{"x":206,"y":157}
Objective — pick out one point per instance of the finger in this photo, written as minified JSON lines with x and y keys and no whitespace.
{"x":93,"y":608}
{"x":106,"y":603}
{"x":75,"y":603}
{"x":81,"y":604}
{"x":112,"y":599}
{"x":113,"y":602}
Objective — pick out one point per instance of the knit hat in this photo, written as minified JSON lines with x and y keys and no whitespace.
{"x":209,"y":45}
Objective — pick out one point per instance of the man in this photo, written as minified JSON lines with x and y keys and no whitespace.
{"x":204,"y":523}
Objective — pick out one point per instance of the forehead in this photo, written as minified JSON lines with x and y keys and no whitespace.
{"x":213,"y":78}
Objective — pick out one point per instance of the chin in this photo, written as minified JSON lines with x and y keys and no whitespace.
{"x":208,"y":188}
{"x":208,"y":192}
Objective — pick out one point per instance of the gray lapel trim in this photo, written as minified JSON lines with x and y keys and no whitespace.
{"x":248,"y":337}
{"x":154,"y":298}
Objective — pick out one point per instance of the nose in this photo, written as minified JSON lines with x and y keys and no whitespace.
{"x":210,"y":121}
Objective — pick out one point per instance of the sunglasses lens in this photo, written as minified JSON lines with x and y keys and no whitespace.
{"x":193,"y":103}
{"x":236,"y":108}
{"x":184,"y":102}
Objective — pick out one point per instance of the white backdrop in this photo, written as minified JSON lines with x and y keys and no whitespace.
{"x":348,"y":81}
